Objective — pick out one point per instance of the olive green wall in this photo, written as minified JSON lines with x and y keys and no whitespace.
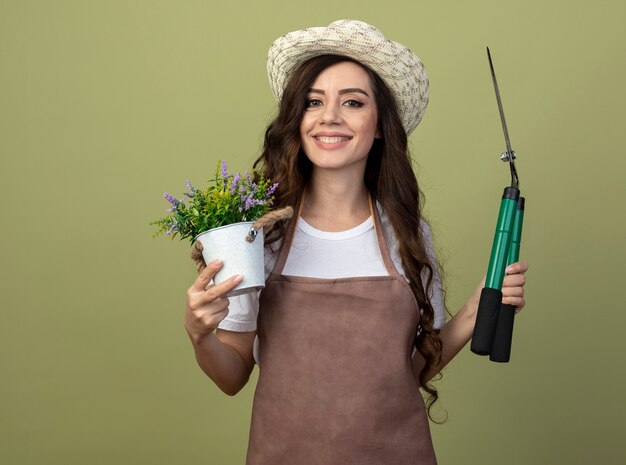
{"x":105,"y":105}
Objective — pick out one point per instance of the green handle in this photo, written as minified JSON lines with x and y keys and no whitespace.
{"x":491,"y":295}
{"x":502,"y":238}
{"x":516,"y":233}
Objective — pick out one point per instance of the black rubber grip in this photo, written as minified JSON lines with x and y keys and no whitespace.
{"x":501,"y":349}
{"x":486,"y":319}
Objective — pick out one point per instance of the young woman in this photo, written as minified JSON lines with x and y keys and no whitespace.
{"x":351,"y":323}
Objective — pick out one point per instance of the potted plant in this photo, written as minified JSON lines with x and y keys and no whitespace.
{"x":225,"y":221}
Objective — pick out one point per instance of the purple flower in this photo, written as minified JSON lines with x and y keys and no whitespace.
{"x":272,"y":189}
{"x":224,"y":169}
{"x":192,"y":190}
{"x":173,"y":227}
{"x":172,"y":200}
{"x":249,"y":200}
{"x":234,"y":183}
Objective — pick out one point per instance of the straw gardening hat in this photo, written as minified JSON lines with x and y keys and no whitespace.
{"x":398,"y":66}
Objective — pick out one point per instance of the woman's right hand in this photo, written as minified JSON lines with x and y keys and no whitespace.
{"x":207,"y":305}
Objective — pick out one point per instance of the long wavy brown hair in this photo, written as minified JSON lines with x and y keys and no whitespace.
{"x":389,"y":177}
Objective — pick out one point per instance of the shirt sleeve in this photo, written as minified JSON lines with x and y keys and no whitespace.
{"x":242,"y":313}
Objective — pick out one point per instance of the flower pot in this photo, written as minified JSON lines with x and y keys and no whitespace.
{"x":228,"y":243}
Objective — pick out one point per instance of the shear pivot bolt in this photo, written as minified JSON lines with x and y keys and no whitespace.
{"x":505,"y":156}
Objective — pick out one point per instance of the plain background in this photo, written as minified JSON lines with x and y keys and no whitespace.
{"x":104,"y":105}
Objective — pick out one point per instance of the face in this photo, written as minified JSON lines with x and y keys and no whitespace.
{"x":340,"y":121}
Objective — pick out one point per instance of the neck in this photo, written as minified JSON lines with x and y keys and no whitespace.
{"x":335,"y":200}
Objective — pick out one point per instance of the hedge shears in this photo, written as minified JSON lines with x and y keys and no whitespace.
{"x":493,"y":331}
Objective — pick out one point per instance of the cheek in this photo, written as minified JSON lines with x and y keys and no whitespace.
{"x":369,"y":124}
{"x":305,"y":126}
{"x":370,"y":127}
{"x":304,"y":130}
{"x":303,"y":138}
{"x":377,"y":134}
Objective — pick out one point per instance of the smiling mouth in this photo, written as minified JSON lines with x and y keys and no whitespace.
{"x":331,"y":140}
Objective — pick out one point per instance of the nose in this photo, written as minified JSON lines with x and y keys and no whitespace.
{"x":330,"y":114}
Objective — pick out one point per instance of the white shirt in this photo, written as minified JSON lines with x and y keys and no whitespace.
{"x":328,"y":255}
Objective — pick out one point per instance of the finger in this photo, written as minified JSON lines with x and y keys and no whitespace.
{"x":205,"y":276}
{"x":200,"y":302}
{"x":512,"y":291}
{"x":223,"y":288}
{"x":207,"y":321}
{"x":517,"y":302}
{"x":517,"y":267}
{"x":205,"y":314}
{"x":197,"y":300}
{"x":213,"y":292}
{"x":513,"y":280}
{"x":200,"y":306}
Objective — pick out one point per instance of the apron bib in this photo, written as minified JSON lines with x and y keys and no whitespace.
{"x":335,"y":384}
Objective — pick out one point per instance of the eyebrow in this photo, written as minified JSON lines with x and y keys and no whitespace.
{"x":349,"y":90}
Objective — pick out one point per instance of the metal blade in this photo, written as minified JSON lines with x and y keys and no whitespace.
{"x":509,"y":151}
{"x":495,"y":85}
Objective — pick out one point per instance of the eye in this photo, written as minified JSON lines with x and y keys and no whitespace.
{"x":313,"y":102}
{"x":353,"y":103}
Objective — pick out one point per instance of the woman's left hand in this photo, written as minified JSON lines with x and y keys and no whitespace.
{"x":513,"y":285}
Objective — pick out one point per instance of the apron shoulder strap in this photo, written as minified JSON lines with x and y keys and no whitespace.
{"x":382,"y":242}
{"x":287,"y":239}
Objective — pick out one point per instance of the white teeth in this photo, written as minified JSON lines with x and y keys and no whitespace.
{"x":332,"y":140}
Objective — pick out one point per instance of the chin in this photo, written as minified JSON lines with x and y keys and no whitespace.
{"x":335,"y":163}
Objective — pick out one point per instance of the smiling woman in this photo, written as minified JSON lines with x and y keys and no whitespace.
{"x":341,"y":121}
{"x":351,"y":323}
